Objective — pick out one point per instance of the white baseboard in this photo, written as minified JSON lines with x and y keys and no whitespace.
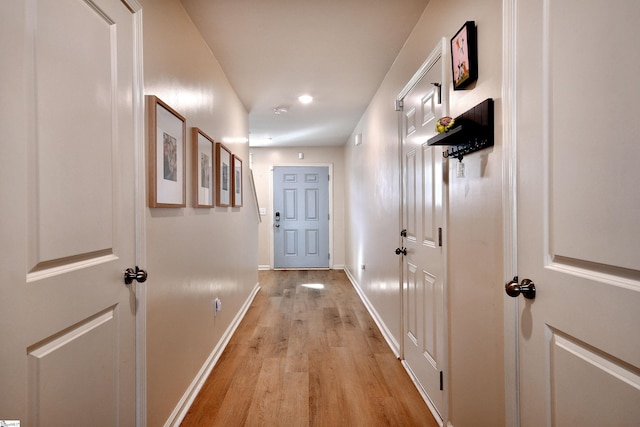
{"x":386,"y":333}
{"x":192,"y":391}
{"x":264,"y":267}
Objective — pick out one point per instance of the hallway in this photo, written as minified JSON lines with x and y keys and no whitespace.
{"x":308,"y":353}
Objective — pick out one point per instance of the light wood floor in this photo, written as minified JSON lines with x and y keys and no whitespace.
{"x":308,"y":355}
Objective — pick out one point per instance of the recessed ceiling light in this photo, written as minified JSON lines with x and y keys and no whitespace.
{"x":305,"y":99}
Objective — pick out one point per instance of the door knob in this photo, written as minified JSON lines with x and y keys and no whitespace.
{"x":527,"y":288}
{"x":402,"y":251}
{"x":137,"y":274}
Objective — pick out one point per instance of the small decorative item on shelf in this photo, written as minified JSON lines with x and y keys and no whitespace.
{"x":444,"y":124}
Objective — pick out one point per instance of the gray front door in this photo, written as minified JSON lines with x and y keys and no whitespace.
{"x":301,"y":216}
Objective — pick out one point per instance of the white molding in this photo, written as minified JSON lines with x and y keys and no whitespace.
{"x":509,"y":208}
{"x":264,"y":267}
{"x":140,"y":212}
{"x":386,"y":333}
{"x":437,"y":53}
{"x":194,"y":388}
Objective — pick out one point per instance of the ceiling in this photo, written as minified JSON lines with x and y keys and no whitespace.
{"x":273,"y":51}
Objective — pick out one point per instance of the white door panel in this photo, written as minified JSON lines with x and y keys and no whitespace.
{"x":68,"y":320}
{"x":423,"y":281}
{"x":578,"y":209}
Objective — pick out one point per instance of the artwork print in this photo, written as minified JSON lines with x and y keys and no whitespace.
{"x":170,"y":150}
{"x":460,"y":57}
{"x":225,"y":177}
{"x":205,"y":172}
{"x":464,"y":63}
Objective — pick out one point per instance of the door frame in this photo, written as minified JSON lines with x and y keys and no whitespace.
{"x":440,"y":52}
{"x":510,"y":211}
{"x":140,"y":208}
{"x":331,"y":215}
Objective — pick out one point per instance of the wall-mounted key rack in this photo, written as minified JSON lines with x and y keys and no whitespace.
{"x":472,"y":131}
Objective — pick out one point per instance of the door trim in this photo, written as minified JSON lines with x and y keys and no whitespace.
{"x":331,"y":214}
{"x":440,"y":52}
{"x":139,"y":212}
{"x":509,"y":211}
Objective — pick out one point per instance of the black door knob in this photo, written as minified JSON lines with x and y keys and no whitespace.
{"x":402,"y":251}
{"x":527,"y":288}
{"x":136,"y":274}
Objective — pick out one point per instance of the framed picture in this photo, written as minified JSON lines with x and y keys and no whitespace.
{"x":464,"y":56}
{"x":202,"y":169}
{"x":236,"y":197}
{"x":166,"y":135}
{"x":223,"y":175}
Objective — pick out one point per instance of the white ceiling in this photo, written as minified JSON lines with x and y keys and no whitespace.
{"x":272,"y":51}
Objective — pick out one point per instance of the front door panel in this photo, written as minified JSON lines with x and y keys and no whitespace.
{"x":301,"y":217}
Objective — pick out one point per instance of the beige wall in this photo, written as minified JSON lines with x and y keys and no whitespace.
{"x":474,"y":243}
{"x":263,"y":161}
{"x":194,"y":255}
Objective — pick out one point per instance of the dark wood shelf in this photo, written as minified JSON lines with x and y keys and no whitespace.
{"x":459,"y":135}
{"x":473,"y":131}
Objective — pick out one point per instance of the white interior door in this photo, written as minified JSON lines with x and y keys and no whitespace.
{"x":67,"y":197}
{"x":424,"y":324}
{"x":301,"y":216}
{"x":578,"y":210}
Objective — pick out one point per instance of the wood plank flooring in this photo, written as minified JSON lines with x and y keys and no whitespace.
{"x":308,"y":353}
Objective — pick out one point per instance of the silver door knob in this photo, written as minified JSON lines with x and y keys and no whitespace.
{"x":527,"y":288}
{"x":136,"y":274}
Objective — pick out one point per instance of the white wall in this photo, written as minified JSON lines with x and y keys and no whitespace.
{"x":474,"y":244}
{"x":263,"y":161}
{"x":194,"y":255}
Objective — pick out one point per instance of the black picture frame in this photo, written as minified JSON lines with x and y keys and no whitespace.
{"x":464,"y":56}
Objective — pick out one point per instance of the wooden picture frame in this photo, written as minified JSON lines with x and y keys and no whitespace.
{"x":464,"y":56}
{"x":237,"y":193}
{"x":202,"y":175}
{"x":166,"y":135}
{"x":223,"y":175}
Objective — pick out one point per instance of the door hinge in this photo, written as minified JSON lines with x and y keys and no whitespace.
{"x":440,"y":236}
{"x":329,"y":216}
{"x":328,"y":177}
{"x":441,"y":381}
{"x":328,"y":256}
{"x":439,"y":89}
{"x":399,"y":104}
